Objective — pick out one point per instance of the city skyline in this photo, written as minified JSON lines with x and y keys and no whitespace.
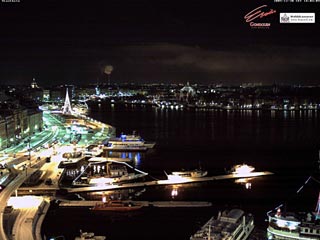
{"x":154,"y":42}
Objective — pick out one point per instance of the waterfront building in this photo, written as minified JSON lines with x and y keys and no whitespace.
{"x":187,"y":93}
{"x":3,"y":136}
{"x":18,"y":122}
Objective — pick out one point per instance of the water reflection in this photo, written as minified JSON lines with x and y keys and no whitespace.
{"x":174,"y":192}
{"x":246,"y":182}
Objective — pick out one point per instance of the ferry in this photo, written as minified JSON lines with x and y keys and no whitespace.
{"x":130,"y":140}
{"x":123,"y":147}
{"x":232,"y":225}
{"x":289,"y":225}
{"x":118,"y":206}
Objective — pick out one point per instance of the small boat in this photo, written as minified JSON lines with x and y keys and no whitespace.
{"x":187,"y":174}
{"x":118,"y":206}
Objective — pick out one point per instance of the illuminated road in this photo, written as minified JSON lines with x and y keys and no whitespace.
{"x":6,"y":193}
{"x":30,"y":208}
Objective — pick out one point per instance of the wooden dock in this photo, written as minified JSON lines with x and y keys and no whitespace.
{"x":165,"y":204}
{"x":166,"y":182}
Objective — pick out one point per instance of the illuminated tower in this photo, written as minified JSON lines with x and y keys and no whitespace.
{"x":34,"y":83}
{"x":67,"y":105}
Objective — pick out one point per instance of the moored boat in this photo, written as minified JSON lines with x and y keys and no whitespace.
{"x":125,"y":147}
{"x":291,"y":225}
{"x":129,"y":141}
{"x":241,"y":169}
{"x":232,"y":225}
{"x":187,"y":174}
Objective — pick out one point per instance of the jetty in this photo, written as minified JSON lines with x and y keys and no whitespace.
{"x":166,"y":204}
{"x":107,"y":187}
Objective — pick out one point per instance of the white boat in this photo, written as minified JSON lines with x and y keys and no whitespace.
{"x":289,"y":225}
{"x":187,"y":174}
{"x":229,"y":225}
{"x":93,"y":181}
{"x":130,"y":140}
{"x":113,"y":173}
{"x":242,"y":169}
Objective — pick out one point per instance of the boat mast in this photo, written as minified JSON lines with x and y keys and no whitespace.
{"x":319,"y":161}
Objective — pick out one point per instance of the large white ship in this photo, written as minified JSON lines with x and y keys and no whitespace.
{"x":229,"y":225}
{"x":133,"y":141}
{"x":289,"y":225}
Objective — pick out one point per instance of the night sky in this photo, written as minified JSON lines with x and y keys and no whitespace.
{"x":155,"y":41}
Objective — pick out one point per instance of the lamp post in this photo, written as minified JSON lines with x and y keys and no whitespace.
{"x":29,"y":148}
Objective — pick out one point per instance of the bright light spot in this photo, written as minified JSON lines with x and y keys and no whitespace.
{"x":101,"y":181}
{"x":25,"y":202}
{"x":242,"y":169}
{"x":174,"y":192}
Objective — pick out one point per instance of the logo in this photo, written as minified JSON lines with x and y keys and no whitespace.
{"x":297,"y":18}
{"x":254,"y":17}
{"x":284,"y":18}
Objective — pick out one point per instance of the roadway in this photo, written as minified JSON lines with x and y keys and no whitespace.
{"x":7,"y":192}
{"x":30,"y":211}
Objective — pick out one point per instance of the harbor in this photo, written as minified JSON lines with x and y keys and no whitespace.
{"x":93,"y":168}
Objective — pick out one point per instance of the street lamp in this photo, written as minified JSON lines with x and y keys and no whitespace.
{"x":29,"y":148}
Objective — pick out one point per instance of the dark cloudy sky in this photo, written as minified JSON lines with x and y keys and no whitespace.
{"x":155,"y":41}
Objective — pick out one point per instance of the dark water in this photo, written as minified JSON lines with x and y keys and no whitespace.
{"x":285,"y":143}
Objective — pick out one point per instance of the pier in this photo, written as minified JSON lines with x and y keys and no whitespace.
{"x":166,"y":182}
{"x":166,"y":204}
